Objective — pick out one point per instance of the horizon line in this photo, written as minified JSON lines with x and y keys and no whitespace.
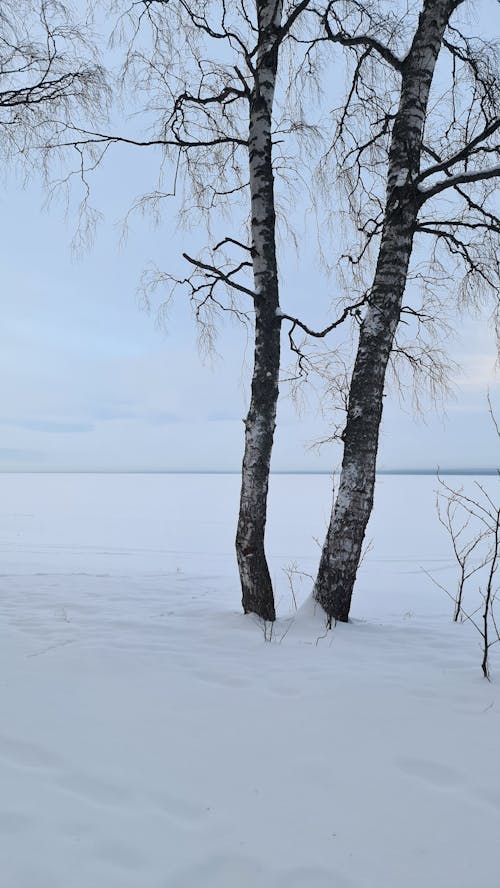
{"x":461,"y":470}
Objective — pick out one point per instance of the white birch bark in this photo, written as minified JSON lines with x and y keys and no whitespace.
{"x":342,"y":549}
{"x":257,"y":592}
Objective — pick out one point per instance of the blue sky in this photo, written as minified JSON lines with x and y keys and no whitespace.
{"x":90,"y":381}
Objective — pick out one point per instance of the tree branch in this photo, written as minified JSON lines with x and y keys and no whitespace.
{"x":95,"y":138}
{"x":459,"y":179}
{"x":292,"y":18}
{"x":463,"y":154}
{"x":220,"y":275}
{"x":365,"y":40}
{"x":320,"y":334}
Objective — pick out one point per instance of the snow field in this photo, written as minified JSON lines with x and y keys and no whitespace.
{"x":151,"y":738}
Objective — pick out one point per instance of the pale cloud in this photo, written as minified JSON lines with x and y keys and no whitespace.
{"x":52,"y":426}
{"x":15,"y":455}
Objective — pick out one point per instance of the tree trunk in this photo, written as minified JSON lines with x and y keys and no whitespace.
{"x":256,"y":585}
{"x":342,"y":549}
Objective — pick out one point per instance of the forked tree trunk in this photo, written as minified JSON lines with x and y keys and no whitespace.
{"x":352,"y":508}
{"x":256,"y":585}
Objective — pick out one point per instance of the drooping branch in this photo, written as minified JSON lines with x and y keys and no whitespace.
{"x":475,"y":249}
{"x":305,"y":362}
{"x":349,"y":311}
{"x":44,"y":91}
{"x":50,"y":75}
{"x":295,"y":13}
{"x":88,"y":137}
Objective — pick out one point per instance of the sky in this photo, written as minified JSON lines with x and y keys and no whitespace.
{"x":91,"y":381}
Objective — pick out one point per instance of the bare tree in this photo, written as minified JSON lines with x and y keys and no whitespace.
{"x":472,"y":521}
{"x":456,"y":518}
{"x":49,"y":73}
{"x":417,"y":161}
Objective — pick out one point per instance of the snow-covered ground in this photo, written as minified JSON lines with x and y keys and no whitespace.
{"x":151,"y":738}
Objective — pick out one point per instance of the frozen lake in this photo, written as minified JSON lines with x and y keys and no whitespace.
{"x":147,"y":524}
{"x":151,"y":738}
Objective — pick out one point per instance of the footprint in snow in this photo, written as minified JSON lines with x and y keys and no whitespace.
{"x":24,"y":754}
{"x":434,"y":773}
{"x":231,"y":871}
{"x":489,"y":795}
{"x":119,"y":853}
{"x":181,"y":811}
{"x":313,"y":877}
{"x":225,"y":871}
{"x":12,"y":823}
{"x":423,"y":693}
{"x":221,"y":679}
{"x":94,"y":790}
{"x":284,"y":691}
{"x":76,"y":829}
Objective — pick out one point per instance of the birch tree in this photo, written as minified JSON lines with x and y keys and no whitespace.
{"x":204,"y":78}
{"x":419,"y":161}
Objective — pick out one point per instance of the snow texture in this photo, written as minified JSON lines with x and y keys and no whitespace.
{"x":151,"y":738}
